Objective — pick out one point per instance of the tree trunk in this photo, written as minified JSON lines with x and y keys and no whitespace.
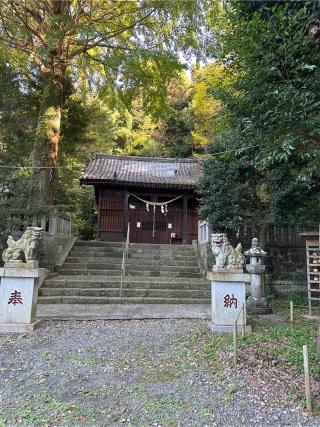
{"x":48,"y":135}
{"x":262,"y":236}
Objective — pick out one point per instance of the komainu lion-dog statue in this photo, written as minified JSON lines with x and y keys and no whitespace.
{"x":225,"y":255}
{"x":24,"y":249}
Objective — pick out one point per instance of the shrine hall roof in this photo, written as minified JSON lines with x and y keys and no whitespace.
{"x":142,"y":171}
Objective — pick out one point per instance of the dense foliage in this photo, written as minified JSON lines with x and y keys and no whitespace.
{"x":253,"y":111}
{"x":118,"y":48}
{"x":270,"y":122}
{"x":91,"y":122}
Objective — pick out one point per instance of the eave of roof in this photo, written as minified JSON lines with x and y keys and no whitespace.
{"x":136,"y":184}
{"x":117,"y":169}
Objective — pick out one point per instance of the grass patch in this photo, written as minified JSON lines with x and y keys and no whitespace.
{"x":215,"y":350}
{"x":161,"y":375}
{"x":287,"y":342}
{"x":273,"y":351}
{"x":52,"y":412}
{"x":165,"y":410}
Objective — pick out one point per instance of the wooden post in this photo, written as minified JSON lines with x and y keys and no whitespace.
{"x":185,"y":220}
{"x":318,"y":338}
{"x":243,"y":330}
{"x":125,"y":212}
{"x":291,"y":311}
{"x":235,"y":344}
{"x":307,"y":377}
{"x":309,"y":303}
{"x":97,"y":192}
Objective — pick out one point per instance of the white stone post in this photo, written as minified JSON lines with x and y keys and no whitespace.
{"x":18,"y":298}
{"x":19,"y":282}
{"x":228,"y":291}
{"x":228,"y":295}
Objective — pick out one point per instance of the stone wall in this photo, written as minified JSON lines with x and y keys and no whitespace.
{"x":57,"y":241}
{"x":53,"y":250}
{"x":285,"y":287}
{"x":287,"y":262}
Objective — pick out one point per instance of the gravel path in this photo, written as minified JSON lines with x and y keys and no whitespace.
{"x":133,"y":373}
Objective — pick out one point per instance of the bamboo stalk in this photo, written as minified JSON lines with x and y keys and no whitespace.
{"x":243,"y":330}
{"x":307,"y":377}
{"x":235,"y":344}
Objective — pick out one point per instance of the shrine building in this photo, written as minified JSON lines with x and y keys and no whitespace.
{"x":155,"y":195}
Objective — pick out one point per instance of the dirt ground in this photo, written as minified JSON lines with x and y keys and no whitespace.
{"x":133,"y":373}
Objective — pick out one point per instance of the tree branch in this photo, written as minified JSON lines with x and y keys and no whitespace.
{"x":90,"y":45}
{"x":24,"y":21}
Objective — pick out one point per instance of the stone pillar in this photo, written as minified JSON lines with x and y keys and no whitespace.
{"x":257,"y":302}
{"x":228,"y":294}
{"x":228,"y":291}
{"x":18,"y":297}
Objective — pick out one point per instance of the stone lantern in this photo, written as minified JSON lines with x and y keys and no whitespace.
{"x":257,"y":302}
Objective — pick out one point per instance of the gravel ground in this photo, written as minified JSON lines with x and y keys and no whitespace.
{"x":133,"y":373}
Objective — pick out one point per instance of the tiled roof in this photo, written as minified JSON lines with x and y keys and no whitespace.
{"x":146,"y":171}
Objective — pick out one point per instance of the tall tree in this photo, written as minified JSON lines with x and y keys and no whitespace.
{"x":132,"y":44}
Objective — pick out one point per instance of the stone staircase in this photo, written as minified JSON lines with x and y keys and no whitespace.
{"x":155,"y":274}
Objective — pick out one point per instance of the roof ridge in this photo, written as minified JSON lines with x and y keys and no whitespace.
{"x":146,"y":159}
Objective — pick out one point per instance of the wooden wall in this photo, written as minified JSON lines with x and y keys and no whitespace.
{"x":110,"y":215}
{"x":117,"y":207}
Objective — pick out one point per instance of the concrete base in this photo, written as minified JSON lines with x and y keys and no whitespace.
{"x":312,"y":317}
{"x":227,"y":329}
{"x":256,"y":309}
{"x":19,"y":328}
{"x":257,"y":305}
{"x":21,"y":264}
{"x":122,"y":311}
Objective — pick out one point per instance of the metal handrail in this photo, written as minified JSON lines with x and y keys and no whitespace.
{"x":124,"y":260}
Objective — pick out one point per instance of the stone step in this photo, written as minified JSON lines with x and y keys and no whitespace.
{"x":61,"y":280}
{"x":77,"y":272}
{"x":130,"y":293}
{"x":192,"y":261}
{"x":98,"y":244}
{"x":117,"y":300}
{"x":84,"y":260}
{"x":155,"y":274}
{"x":97,"y":251}
{"x":133,"y":247}
{"x":119,"y":254}
{"x":130,"y":261}
{"x":123,"y":311}
{"x":163,"y":257}
{"x":53,"y":284}
{"x":89,"y":252}
{"x":162,"y":268}
{"x":159,"y":246}
{"x":158,"y":273}
{"x":163,"y":252}
{"x":129,"y":268}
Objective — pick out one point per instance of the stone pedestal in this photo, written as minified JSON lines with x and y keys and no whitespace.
{"x":18,"y":297}
{"x":228,"y":295}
